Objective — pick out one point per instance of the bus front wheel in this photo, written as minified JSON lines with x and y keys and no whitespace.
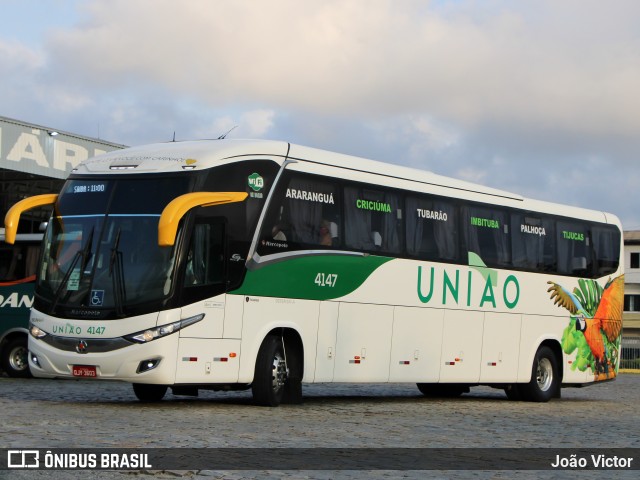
{"x":149,"y":393}
{"x":15,"y":358}
{"x":545,"y":379}
{"x":271,"y":373}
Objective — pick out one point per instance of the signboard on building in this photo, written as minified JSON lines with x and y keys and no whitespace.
{"x":41,"y":151}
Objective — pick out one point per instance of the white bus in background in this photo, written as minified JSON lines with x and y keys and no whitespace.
{"x":264,"y":265}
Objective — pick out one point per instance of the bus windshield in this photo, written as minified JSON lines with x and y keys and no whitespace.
{"x":101,"y":250}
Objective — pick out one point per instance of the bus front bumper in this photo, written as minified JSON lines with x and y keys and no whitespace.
{"x":151,"y":363}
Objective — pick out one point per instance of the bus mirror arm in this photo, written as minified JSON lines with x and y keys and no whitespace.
{"x":179,"y":206}
{"x":12,"y":218}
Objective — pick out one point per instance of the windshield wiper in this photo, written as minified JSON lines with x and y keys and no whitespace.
{"x":84,"y":254}
{"x":116,"y":272}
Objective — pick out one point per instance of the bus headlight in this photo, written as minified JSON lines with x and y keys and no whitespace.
{"x":37,"y":332}
{"x":162,"y":331}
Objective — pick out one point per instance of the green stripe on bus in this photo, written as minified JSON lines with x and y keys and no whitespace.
{"x":318,"y":277}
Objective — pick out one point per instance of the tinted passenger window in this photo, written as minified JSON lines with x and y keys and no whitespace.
{"x":431,"y":229}
{"x":373,"y":220}
{"x":606,"y":246}
{"x":574,"y":246}
{"x":486,"y":232}
{"x":305,"y":214}
{"x":533,"y":242}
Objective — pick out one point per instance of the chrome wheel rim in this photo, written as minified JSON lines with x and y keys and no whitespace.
{"x":18,"y":358}
{"x":544,"y":374}
{"x":279,"y":372}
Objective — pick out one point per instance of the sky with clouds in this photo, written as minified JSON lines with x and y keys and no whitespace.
{"x":536,"y":97}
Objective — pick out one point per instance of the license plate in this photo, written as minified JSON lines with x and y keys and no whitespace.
{"x":84,"y":371}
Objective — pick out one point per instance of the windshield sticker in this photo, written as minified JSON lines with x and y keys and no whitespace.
{"x":74,"y":280}
{"x":97,"y":298}
{"x":256,"y":182}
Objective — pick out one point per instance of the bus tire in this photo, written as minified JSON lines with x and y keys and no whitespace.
{"x":271,"y":373}
{"x":149,"y":393}
{"x":15,"y":358}
{"x":545,"y":379}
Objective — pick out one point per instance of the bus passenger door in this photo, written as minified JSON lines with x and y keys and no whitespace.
{"x":204,"y":279}
{"x":203,"y":356}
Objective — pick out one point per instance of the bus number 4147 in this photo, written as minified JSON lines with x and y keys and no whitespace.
{"x":326,"y":279}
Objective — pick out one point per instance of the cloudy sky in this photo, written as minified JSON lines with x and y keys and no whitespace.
{"x":541,"y":98}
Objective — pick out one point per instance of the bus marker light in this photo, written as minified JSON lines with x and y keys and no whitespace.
{"x":355,"y":361}
{"x":405,"y":362}
{"x":232,"y":354}
{"x":35,"y":360}
{"x":146,"y":365}
{"x":189,"y":359}
{"x":220,"y":359}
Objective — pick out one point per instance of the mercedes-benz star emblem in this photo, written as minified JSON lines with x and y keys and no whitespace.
{"x":81,"y":347}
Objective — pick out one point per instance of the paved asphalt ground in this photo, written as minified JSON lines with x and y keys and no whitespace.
{"x":95,"y":414}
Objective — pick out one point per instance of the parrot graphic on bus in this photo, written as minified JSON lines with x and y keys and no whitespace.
{"x":597,"y":313}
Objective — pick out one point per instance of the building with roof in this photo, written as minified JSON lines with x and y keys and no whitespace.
{"x":35,"y":160}
{"x":632,"y":283}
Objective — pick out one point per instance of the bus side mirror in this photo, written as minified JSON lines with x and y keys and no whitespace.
{"x":178,"y":208}
{"x":12,"y":218}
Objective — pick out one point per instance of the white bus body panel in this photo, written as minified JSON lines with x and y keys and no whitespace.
{"x":364,"y":343}
{"x":460,"y":360}
{"x":263,"y":314}
{"x":205,"y":360}
{"x":327,"y":336}
{"x":417,"y":344}
{"x":500,"y":348}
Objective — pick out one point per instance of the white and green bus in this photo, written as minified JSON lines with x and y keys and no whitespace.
{"x":264,"y":265}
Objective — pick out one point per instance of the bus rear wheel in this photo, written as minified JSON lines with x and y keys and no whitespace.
{"x":545,"y":380}
{"x":271,"y":373}
{"x":149,"y":393}
{"x":15,"y":358}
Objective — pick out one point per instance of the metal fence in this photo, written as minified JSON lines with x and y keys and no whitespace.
{"x":630,"y":355}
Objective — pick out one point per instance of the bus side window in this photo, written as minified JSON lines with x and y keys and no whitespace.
{"x":304,"y":215}
{"x":431,"y":228}
{"x":533,"y":242}
{"x":606,"y":248}
{"x":574,"y":249}
{"x":486,"y":232}
{"x":373,"y":220}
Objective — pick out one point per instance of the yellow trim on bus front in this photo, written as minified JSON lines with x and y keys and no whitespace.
{"x":178,"y":207}
{"x":12,"y":217}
